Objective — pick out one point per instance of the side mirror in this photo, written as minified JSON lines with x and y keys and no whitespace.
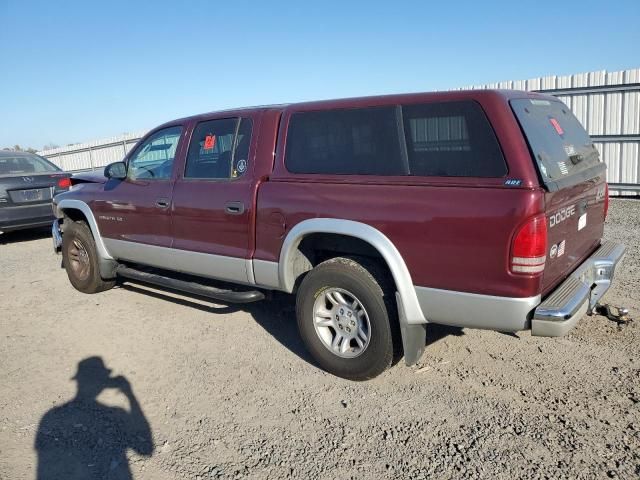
{"x":117,"y":170}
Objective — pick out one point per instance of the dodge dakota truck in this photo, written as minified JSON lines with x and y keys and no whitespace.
{"x":479,"y":209}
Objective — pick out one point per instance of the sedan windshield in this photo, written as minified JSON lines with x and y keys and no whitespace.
{"x":24,"y":164}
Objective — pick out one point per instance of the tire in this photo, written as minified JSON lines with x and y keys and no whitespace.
{"x":358,"y":280}
{"x":80,"y":258}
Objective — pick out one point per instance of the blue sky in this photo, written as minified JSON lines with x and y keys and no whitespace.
{"x":75,"y":71}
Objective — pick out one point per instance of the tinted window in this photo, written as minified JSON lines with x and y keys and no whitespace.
{"x":452,"y":139}
{"x":559,"y":143}
{"x":219,"y":149}
{"x":153,"y":159}
{"x":359,"y":141}
{"x":24,"y":164}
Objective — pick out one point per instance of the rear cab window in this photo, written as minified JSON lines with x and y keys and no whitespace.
{"x":440,"y":139}
{"x":561,"y":147}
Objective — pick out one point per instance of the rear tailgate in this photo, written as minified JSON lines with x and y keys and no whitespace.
{"x":569,"y":166}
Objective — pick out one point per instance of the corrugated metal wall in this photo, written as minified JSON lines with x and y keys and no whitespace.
{"x":94,"y":154}
{"x":606,"y":103}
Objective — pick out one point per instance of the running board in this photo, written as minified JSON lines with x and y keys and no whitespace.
{"x":227,"y":296}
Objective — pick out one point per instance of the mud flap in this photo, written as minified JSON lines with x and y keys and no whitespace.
{"x":414,"y":336}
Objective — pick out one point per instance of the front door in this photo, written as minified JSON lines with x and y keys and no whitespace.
{"x":213,"y":200}
{"x":135,"y":212}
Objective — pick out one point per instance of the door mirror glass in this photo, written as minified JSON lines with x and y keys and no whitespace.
{"x":116,"y":170}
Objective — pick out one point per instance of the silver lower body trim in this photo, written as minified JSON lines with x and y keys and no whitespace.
{"x":208,"y":265}
{"x":266,"y":273}
{"x":249,"y":268}
{"x":579,"y":293}
{"x":471,"y":310}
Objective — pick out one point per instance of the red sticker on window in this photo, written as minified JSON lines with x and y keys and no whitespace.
{"x":556,"y":125}
{"x":209,"y":142}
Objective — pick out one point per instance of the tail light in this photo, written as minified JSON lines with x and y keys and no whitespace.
{"x":64,"y":182}
{"x":529,"y":248}
{"x":606,"y":200}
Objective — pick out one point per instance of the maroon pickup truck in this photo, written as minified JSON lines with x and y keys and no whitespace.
{"x":480,"y":209}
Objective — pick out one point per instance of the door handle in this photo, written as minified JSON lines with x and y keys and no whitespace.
{"x":162,"y":202}
{"x":234,"y":208}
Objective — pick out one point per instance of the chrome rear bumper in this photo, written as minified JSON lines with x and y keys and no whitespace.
{"x":56,"y":234}
{"x":578,"y":294}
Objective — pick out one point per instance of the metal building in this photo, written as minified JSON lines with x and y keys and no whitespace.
{"x":606,"y":103}
{"x":93,"y":154}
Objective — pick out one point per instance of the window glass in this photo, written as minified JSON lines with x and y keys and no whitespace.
{"x":154,"y":158}
{"x":358,"y":141}
{"x":561,"y":145}
{"x":451,"y":139}
{"x":219,"y":149}
{"x":24,"y":164}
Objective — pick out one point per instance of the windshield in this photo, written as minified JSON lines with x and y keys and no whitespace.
{"x":558,"y":141}
{"x":24,"y":164}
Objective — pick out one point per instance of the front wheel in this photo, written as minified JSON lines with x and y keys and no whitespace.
{"x":345,"y":317}
{"x":80,"y":258}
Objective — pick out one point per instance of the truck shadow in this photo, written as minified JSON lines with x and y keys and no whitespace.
{"x":436,"y":332}
{"x":277,"y":316}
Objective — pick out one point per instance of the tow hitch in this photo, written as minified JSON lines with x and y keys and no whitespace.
{"x":620,"y":315}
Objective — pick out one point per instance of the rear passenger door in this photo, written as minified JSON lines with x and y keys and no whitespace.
{"x":213,"y":200}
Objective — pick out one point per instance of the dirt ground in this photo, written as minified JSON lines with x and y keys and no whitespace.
{"x":209,"y":391}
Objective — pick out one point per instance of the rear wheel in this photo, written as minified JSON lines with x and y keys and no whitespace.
{"x":345,"y":317}
{"x":80,"y":258}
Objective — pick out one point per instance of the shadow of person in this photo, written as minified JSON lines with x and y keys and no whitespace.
{"x":85,"y":439}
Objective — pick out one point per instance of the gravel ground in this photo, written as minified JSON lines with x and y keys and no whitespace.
{"x":206,"y":391}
